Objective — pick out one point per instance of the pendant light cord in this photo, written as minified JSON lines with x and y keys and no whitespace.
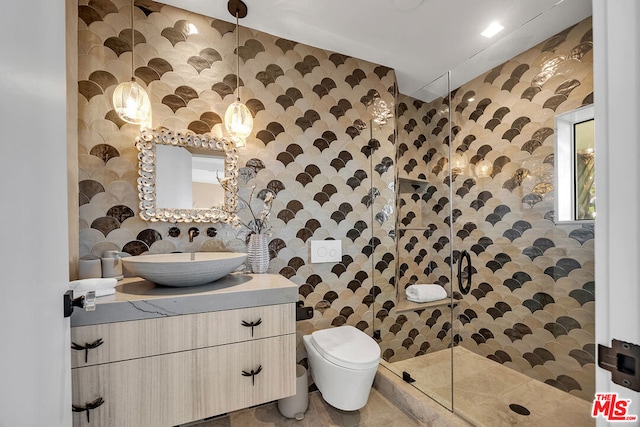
{"x":133,"y":43}
{"x":238,"y":54}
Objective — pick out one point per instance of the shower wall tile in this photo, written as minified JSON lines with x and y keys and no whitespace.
{"x":314,"y":145}
{"x":532,"y":303}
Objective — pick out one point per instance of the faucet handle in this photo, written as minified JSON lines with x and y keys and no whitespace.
{"x":193,"y":232}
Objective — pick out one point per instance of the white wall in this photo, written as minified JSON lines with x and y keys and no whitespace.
{"x":617,"y":112}
{"x":34,"y":336}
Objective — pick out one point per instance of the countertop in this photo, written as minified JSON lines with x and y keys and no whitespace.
{"x":137,"y":299}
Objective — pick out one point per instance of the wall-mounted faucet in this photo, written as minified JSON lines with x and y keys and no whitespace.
{"x":193,"y":232}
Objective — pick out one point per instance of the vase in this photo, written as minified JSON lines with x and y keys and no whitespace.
{"x":258,"y":253}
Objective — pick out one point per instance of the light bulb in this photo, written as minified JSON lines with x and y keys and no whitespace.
{"x":459,"y":162}
{"x":131,"y":103}
{"x":238,"y":121}
{"x":483,"y":168}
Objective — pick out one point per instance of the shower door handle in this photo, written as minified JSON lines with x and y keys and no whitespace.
{"x":464,"y":289}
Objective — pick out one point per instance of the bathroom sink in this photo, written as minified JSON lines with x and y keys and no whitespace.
{"x":184,"y":269}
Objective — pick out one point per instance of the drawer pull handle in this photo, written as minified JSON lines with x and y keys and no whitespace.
{"x":86,"y":347}
{"x":88,"y":407}
{"x":252,"y":374}
{"x":252,"y":324}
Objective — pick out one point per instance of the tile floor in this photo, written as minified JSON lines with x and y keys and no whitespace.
{"x":483,"y":391}
{"x":378,"y":412}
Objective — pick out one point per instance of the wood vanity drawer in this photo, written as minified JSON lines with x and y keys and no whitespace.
{"x":111,"y":342}
{"x":181,"y":387}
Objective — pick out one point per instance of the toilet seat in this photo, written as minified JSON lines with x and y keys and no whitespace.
{"x":347,"y":346}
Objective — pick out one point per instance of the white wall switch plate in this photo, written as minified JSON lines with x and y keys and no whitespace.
{"x":325,"y":251}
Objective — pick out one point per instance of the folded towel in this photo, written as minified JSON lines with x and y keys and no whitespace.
{"x":101,"y":287}
{"x":425,"y":293}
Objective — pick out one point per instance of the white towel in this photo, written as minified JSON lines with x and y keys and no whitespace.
{"x":101,"y":287}
{"x":425,"y":293}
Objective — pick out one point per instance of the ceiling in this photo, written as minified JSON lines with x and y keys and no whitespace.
{"x":420,"y":39}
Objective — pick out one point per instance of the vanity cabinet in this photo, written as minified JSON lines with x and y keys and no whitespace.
{"x":171,"y":370}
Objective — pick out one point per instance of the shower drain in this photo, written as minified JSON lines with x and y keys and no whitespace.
{"x":519,"y":409}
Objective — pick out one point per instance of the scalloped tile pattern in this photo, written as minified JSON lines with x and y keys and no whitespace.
{"x":532,"y":306}
{"x":333,"y":178}
{"x":312,"y":146}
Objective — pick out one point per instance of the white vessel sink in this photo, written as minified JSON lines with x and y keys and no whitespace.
{"x":184,"y":269}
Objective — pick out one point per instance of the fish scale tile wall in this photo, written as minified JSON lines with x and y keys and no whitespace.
{"x":332,"y":170}
{"x":313,"y":145}
{"x":532,"y":303}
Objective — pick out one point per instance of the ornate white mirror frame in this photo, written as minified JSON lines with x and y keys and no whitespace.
{"x":147,"y":185}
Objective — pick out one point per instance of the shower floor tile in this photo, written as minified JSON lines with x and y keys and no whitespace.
{"x":483,"y":391}
{"x":432,"y":373}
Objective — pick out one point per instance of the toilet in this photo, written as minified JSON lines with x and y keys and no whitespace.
{"x":343,"y":362}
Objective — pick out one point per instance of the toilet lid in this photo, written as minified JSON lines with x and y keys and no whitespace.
{"x":347,"y":346}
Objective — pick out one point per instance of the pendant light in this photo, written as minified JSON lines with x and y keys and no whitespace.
{"x":483,"y":168}
{"x":237,"y":119}
{"x":130,"y":100}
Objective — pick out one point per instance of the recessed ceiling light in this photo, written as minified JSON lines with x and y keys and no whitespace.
{"x":493,"y":29}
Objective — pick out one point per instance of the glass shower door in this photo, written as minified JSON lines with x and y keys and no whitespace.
{"x":416,"y":337}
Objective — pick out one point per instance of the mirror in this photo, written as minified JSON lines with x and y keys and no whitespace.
{"x":575,"y":198}
{"x":186,"y":177}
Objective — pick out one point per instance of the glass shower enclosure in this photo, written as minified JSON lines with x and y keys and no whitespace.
{"x":415,"y":331}
{"x":514,"y":336}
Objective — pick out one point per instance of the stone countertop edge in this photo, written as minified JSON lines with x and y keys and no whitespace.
{"x":138,"y":299}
